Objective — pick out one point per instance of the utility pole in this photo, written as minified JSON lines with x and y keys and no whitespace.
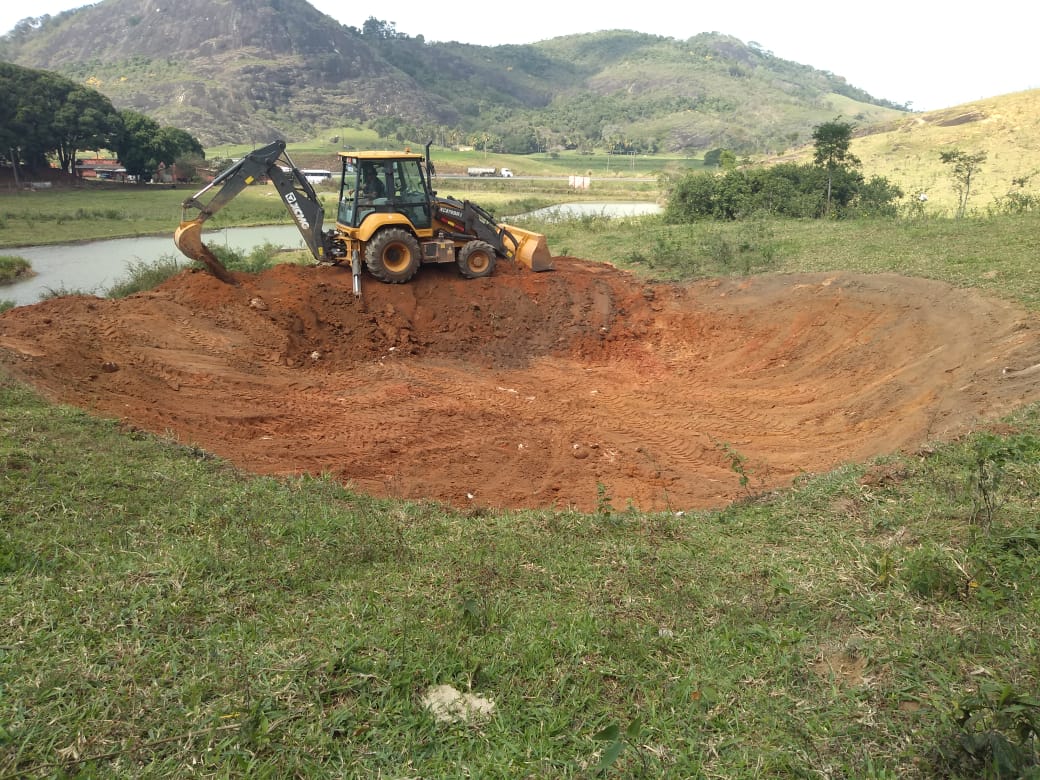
{"x":14,"y":169}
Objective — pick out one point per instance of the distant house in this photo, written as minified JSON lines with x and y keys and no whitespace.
{"x":100,"y":168}
{"x":169,"y":174}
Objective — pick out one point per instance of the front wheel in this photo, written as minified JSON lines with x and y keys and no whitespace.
{"x":476,"y":259}
{"x":393,"y":256}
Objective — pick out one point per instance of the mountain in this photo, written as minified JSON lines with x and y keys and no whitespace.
{"x":233,"y":71}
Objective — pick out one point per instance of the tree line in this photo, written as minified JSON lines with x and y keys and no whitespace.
{"x":45,"y":117}
{"x":831,"y":186}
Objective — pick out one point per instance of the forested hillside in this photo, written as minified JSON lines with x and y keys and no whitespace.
{"x":247,"y":70}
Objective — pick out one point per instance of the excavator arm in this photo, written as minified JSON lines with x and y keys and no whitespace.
{"x":296,"y":192}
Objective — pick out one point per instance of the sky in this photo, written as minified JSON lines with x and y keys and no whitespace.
{"x":923,"y":53}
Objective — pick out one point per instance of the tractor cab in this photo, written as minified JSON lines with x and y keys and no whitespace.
{"x":393,"y":184}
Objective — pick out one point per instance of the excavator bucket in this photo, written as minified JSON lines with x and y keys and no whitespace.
{"x":531,"y":248}
{"x":188,"y":239}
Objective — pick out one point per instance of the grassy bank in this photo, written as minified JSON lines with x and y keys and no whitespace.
{"x":86,"y":214}
{"x":167,"y":616}
{"x":13,"y":268}
{"x":996,"y":254}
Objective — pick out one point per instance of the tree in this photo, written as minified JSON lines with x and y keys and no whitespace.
{"x":172,"y":142}
{"x":965,"y":166}
{"x":85,"y":120}
{"x":524,"y":140}
{"x":713,"y":158}
{"x":145,"y":143}
{"x":48,"y":115}
{"x":877,"y":198}
{"x":386,"y":126}
{"x":137,"y":147}
{"x":832,"y":140}
{"x":378,"y":29}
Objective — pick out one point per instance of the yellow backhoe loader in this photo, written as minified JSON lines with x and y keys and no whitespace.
{"x":389,"y":218}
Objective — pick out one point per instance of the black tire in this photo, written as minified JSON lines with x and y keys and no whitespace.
{"x":476,"y":259}
{"x":393,"y":256}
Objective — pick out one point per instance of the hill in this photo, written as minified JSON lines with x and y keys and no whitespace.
{"x":906,"y":150}
{"x":246,"y":70}
{"x":1005,"y":127}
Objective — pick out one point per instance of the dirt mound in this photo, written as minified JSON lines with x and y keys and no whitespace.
{"x":535,"y":390}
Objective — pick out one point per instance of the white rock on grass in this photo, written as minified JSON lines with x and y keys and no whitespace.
{"x":450,"y":706}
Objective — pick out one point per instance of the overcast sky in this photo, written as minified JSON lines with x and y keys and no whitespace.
{"x":922,"y":52}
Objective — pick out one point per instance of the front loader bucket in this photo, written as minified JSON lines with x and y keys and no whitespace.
{"x":531,"y":248}
{"x":188,"y":239}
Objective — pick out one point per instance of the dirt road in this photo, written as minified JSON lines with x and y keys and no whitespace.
{"x":536,"y":390}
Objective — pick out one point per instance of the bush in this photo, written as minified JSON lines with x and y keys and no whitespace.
{"x":1015,"y":203}
{"x":12,"y":267}
{"x":146,"y":276}
{"x":997,"y":735}
{"x":786,"y":190}
{"x":877,"y":198}
{"x":259,"y":259}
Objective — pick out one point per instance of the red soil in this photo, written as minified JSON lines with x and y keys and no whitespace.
{"x":536,"y":390}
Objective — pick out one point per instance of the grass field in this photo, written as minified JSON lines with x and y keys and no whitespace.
{"x":168,"y":616}
{"x":323,"y":152}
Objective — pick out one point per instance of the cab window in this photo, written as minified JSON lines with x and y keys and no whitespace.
{"x":409,"y":193}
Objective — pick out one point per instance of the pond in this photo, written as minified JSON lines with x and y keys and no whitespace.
{"x":95,"y":266}
{"x":563,"y":211}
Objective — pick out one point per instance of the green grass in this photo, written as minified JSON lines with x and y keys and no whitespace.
{"x":995,"y":254}
{"x":163,"y":611}
{"x":168,"y":616}
{"x":88,"y":213}
{"x":321,"y":149}
{"x":148,"y":275}
{"x":13,"y":267}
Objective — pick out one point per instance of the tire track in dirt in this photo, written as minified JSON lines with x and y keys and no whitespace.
{"x":536,"y":390}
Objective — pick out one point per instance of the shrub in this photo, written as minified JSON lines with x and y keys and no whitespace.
{"x":258,"y":259}
{"x":146,"y":276}
{"x":12,"y":267}
{"x":786,"y":190}
{"x":997,"y":735}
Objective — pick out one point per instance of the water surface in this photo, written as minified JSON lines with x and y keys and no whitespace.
{"x":93,"y":267}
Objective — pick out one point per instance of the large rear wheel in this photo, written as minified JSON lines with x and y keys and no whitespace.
{"x":476,"y":259}
{"x":393,"y":256}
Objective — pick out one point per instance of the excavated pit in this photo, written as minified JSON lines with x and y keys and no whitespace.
{"x":537,"y":390}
